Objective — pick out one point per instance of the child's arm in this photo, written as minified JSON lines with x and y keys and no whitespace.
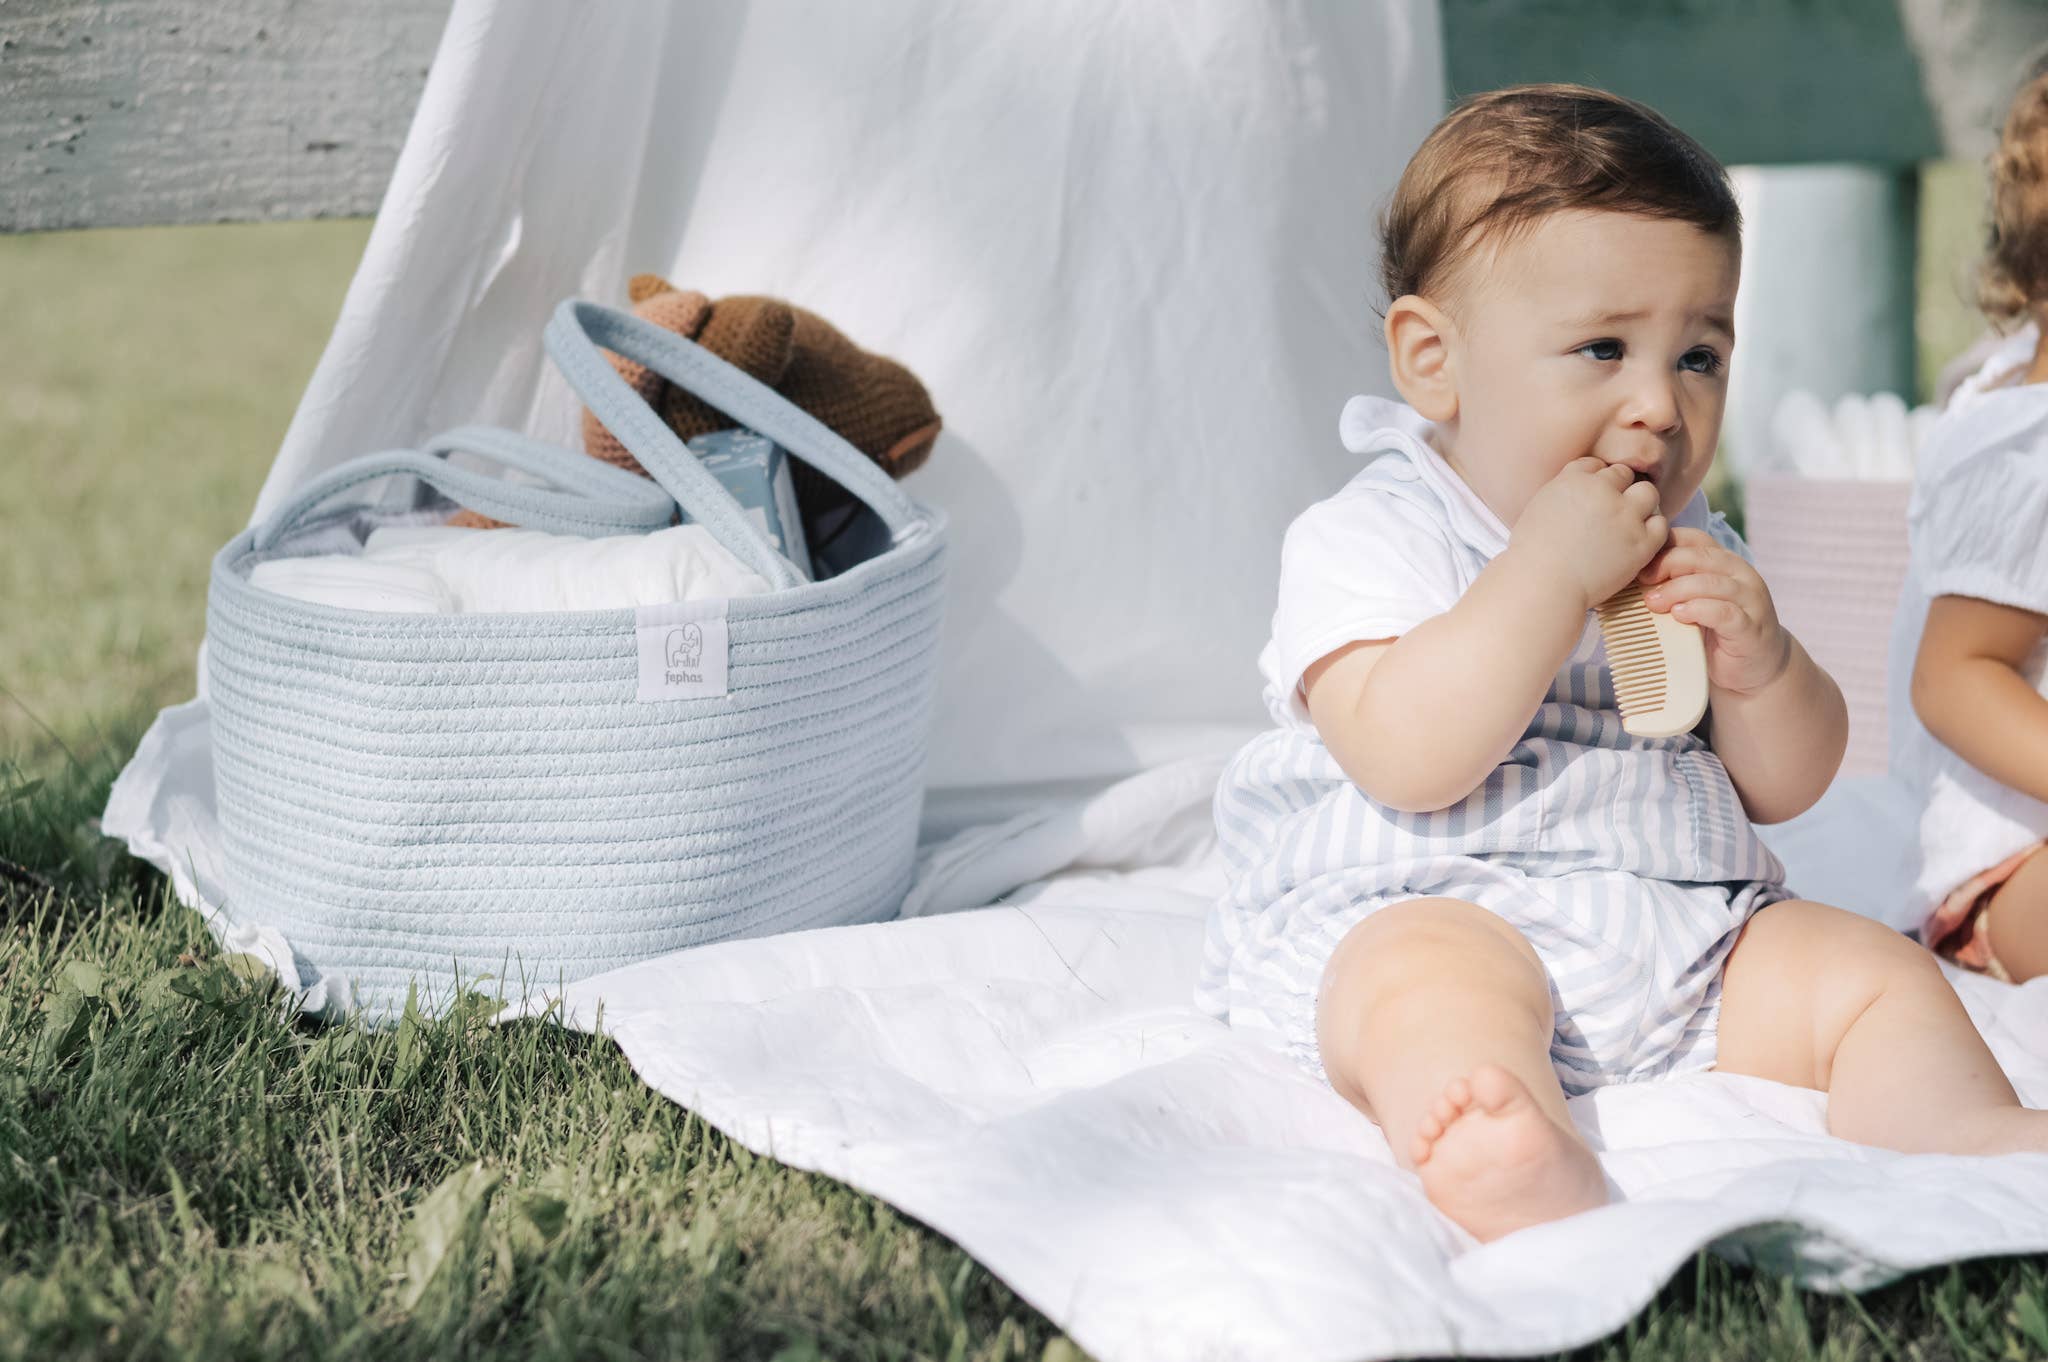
{"x":1419,"y":721}
{"x":1968,"y":690}
{"x":1776,"y":720}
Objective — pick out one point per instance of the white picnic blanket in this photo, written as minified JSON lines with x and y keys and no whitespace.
{"x":1031,"y":1079}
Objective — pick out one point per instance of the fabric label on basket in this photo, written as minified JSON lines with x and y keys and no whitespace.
{"x":682,"y":650}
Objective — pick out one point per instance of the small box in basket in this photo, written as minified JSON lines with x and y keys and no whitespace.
{"x":756,"y":471}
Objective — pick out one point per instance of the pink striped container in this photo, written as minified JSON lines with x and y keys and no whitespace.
{"x":1834,"y":556}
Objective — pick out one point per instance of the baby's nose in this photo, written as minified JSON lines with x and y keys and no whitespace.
{"x":1653,"y":405}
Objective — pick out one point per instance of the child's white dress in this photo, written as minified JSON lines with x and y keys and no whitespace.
{"x":1628,"y":863}
{"x":1977,"y":526}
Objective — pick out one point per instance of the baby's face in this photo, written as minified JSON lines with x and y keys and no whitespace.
{"x":1592,"y":333}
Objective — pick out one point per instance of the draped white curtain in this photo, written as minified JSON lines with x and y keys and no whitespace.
{"x":1127,"y":246}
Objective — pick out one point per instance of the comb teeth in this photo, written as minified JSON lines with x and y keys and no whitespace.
{"x":1659,"y":666}
{"x":1634,"y":653}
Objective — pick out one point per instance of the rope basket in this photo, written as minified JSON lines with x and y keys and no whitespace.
{"x":416,"y":799}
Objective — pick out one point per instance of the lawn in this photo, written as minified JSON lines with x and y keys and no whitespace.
{"x":185,"y":1174}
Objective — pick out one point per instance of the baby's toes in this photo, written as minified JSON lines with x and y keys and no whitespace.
{"x":1458,"y":1093}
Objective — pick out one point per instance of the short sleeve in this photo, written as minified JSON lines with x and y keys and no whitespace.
{"x":1700,"y":516}
{"x":1725,"y":535}
{"x":1371,"y":562}
{"x":1980,"y":529}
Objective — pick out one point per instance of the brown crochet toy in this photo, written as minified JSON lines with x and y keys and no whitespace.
{"x":876,"y":404}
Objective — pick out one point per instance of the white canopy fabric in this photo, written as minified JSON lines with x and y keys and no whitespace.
{"x":1128,"y":247}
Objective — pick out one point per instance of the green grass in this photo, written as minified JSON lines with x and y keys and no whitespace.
{"x":185,"y":1174}
{"x":146,"y":378}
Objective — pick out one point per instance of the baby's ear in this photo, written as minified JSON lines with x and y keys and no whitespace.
{"x":1418,"y":355}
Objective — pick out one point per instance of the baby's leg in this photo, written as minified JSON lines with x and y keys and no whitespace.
{"x":2017,"y":920}
{"x":1821,"y":998}
{"x":1435,"y":1020}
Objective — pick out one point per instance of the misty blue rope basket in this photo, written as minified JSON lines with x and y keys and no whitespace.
{"x":412,"y":798}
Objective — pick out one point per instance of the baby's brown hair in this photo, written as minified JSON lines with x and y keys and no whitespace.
{"x":2013,"y":276}
{"x":1504,"y":159}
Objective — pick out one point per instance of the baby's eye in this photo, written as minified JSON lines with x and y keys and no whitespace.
{"x":1702,"y":361}
{"x":1601,"y":349}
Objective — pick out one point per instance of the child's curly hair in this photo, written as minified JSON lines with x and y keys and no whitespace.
{"x":2013,"y":276}
{"x":1504,"y":159}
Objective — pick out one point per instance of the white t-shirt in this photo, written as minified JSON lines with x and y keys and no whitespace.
{"x":1392,"y":547}
{"x":1977,"y":526}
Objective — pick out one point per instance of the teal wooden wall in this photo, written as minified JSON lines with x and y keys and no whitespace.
{"x":1757,"y":81}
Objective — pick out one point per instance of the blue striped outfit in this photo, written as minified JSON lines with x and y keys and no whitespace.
{"x":1627,"y":863}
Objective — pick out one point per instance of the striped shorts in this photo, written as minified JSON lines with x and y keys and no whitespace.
{"x":1634,"y":964}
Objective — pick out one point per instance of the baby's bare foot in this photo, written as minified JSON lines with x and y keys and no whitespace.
{"x":1490,"y":1159}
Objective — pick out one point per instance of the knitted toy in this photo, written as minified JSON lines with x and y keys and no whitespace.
{"x":875,"y":404}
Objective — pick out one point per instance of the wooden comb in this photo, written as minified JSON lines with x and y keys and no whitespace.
{"x":1659,"y":665}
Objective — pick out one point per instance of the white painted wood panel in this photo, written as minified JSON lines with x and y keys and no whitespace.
{"x":127,"y":112}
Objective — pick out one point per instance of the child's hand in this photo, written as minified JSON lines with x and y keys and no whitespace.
{"x":1698,"y":581}
{"x":1594,"y":525}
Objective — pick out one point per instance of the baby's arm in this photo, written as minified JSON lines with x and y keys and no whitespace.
{"x":1776,"y":720}
{"x":1968,"y":689}
{"x":1419,"y":721}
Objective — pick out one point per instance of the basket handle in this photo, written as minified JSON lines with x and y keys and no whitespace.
{"x":589,"y":497}
{"x":573,"y":336}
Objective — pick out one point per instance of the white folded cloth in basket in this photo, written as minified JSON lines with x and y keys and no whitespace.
{"x":449,"y":570}
{"x":353,"y":583}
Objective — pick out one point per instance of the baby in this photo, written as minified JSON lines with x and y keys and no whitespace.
{"x":1460,"y":891}
{"x":1974,"y":620}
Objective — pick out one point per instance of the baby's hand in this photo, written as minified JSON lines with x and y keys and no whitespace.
{"x":1702,"y":583}
{"x":1594,"y":525}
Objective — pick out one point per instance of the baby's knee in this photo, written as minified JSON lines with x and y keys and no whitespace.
{"x":1844,"y":957}
{"x":1893,"y":958}
{"x":1799,"y":977}
{"x":1412,"y":965}
{"x":1420,"y":932}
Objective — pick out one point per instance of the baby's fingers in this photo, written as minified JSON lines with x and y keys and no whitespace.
{"x":1655,"y":530}
{"x":1691,"y":587}
{"x":1690,"y":550}
{"x":1642,"y":498}
{"x":1670,"y":561}
{"x":1723,"y":617}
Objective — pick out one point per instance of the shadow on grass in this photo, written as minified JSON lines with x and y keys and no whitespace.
{"x":53,"y":858}
{"x":1989,"y":1308}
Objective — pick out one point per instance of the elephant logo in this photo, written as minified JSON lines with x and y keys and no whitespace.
{"x":685,"y":646}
